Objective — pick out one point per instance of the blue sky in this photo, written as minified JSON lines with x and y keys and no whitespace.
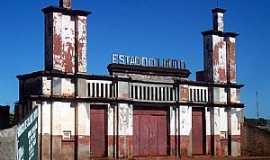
{"x":153,"y":28}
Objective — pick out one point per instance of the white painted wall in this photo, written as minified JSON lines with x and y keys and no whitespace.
{"x":111,"y":120}
{"x":63,"y":118}
{"x":236,"y":118}
{"x":46,"y":117}
{"x":207,"y":121}
{"x":83,"y":119}
{"x":174,"y":121}
{"x":185,"y":120}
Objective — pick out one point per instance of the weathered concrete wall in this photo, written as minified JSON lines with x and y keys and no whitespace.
{"x":8,"y":143}
{"x":255,"y":141}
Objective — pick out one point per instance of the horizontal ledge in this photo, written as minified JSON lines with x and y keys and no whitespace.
{"x":114,"y":100}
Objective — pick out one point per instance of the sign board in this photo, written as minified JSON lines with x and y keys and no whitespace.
{"x":147,"y":62}
{"x":27,"y":138}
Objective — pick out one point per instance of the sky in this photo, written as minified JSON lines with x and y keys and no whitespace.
{"x":151,"y":28}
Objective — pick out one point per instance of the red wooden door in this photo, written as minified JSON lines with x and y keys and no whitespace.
{"x":98,"y":128}
{"x":150,"y":132}
{"x":198,"y":142}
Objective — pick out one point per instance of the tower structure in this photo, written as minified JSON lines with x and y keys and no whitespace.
{"x":220,"y":68}
{"x":65,"y":38}
{"x":219,"y":51}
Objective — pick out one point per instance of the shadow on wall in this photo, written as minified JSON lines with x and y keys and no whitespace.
{"x":255,"y":140}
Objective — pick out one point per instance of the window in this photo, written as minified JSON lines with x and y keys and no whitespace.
{"x":66,"y":135}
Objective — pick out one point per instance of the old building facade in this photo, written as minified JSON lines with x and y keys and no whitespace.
{"x":136,"y":110}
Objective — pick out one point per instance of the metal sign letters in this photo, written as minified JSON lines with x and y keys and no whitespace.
{"x":147,"y":62}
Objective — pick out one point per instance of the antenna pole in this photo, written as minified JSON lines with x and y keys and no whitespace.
{"x":257,"y":104}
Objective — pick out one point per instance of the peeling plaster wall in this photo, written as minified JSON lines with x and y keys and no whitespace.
{"x":185,"y":120}
{"x":61,"y":86}
{"x":236,"y":120}
{"x":184,"y":93}
{"x":218,"y":21}
{"x":152,"y":78}
{"x":185,"y":130}
{"x":81,"y":40}
{"x":125,"y":130}
{"x":236,"y":124}
{"x":125,"y":112}
{"x":66,"y":36}
{"x":219,"y":59}
{"x":46,"y":86}
{"x":231,"y":59}
{"x":220,"y":96}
